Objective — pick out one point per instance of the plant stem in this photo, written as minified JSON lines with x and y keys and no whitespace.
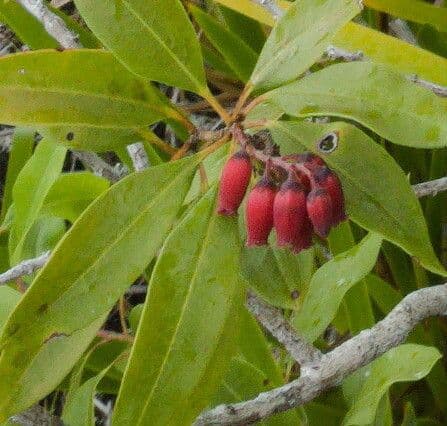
{"x":217,"y":107}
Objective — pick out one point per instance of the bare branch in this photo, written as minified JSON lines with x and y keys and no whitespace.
{"x":138,"y":155}
{"x":271,"y":7}
{"x":432,"y":187}
{"x":54,"y":25}
{"x":337,"y":364}
{"x":26,"y":267}
{"x":99,"y":167}
{"x":35,"y":416}
{"x":435,"y":88}
{"x":333,"y":53}
{"x":272,"y":319}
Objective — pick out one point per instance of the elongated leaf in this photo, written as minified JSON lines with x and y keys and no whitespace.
{"x":74,"y":87}
{"x":30,"y":190}
{"x":188,"y":330}
{"x":254,"y":371}
{"x":331,"y":282}
{"x":378,"y":195}
{"x":402,"y":364}
{"x":299,"y":39}
{"x":79,"y":411}
{"x":374,"y":44}
{"x":279,"y":277}
{"x":154,"y":39}
{"x":72,"y":193}
{"x":245,"y":28}
{"x":8,"y":300}
{"x":103,"y":253}
{"x":384,"y":295}
{"x":239,"y":56}
{"x":26,"y":26}
{"x":20,"y":152}
{"x":413,"y":10}
{"x":372,"y":95}
{"x":356,"y":302}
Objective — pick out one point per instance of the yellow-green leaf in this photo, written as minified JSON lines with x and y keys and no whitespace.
{"x":103,"y":253}
{"x":188,"y":330}
{"x":154,"y":39}
{"x":373,"y":95}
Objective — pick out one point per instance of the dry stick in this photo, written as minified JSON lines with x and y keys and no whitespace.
{"x":99,"y":166}
{"x":337,"y":364}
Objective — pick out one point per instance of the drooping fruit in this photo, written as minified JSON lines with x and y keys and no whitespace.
{"x":289,"y":211}
{"x":304,"y":239}
{"x":319,"y":210}
{"x":311,"y":161}
{"x":259,"y":212}
{"x":233,"y":183}
{"x":327,"y":179}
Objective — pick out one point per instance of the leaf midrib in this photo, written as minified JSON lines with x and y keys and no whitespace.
{"x":186,"y":71}
{"x":193,"y":282}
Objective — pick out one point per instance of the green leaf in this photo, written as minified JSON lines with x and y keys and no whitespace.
{"x":245,"y":28}
{"x":191,"y":313}
{"x":414,"y":10}
{"x":239,"y":56}
{"x":401,"y":364}
{"x":331,"y":282}
{"x":214,"y":60}
{"x":8,"y":300}
{"x":253,"y":371}
{"x":104,"y":252}
{"x":299,"y":39}
{"x":30,"y":190}
{"x":280,"y":277}
{"x":79,"y":409}
{"x":26,"y":26}
{"x":382,"y":293}
{"x":72,"y":193}
{"x":376,"y":45}
{"x":378,"y":195}
{"x":76,"y":87}
{"x":154,"y":39}
{"x":20,"y":152}
{"x":373,"y":95}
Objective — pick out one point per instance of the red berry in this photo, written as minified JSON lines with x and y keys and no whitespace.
{"x":328,"y":180}
{"x":289,"y":211}
{"x":233,"y":183}
{"x":304,"y":239}
{"x":259,"y":212}
{"x":319,"y":209}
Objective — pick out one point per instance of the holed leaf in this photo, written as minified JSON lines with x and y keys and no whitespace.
{"x":188,"y":331}
{"x":103,"y":253}
{"x":378,"y":195}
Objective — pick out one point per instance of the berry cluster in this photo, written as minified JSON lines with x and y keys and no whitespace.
{"x":309,"y":199}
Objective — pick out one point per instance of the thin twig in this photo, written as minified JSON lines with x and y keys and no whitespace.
{"x":337,"y":364}
{"x":26,"y":267}
{"x":271,"y":7}
{"x":138,"y":155}
{"x":54,"y":25}
{"x":431,"y":187}
{"x":99,"y":167}
{"x":435,"y":88}
{"x":111,"y":335}
{"x":273,"y":320}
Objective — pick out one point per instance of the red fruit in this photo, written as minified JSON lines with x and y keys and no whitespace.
{"x":259,"y":212}
{"x":304,"y":239}
{"x":328,"y":180}
{"x":319,"y":209}
{"x":233,"y":183}
{"x":289,"y":211}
